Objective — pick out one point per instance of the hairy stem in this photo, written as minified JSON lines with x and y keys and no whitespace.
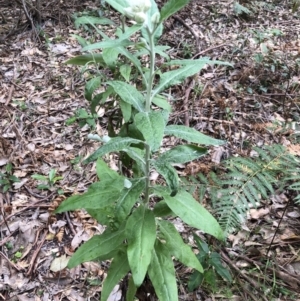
{"x":147,"y":172}
{"x":152,"y":70}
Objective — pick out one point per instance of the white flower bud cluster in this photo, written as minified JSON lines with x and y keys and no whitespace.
{"x":137,"y":10}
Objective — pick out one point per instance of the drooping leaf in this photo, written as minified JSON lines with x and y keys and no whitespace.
{"x":171,"y":7}
{"x":82,"y":60}
{"x":110,"y":57}
{"x":92,"y":20}
{"x":141,"y":234}
{"x":117,"y":270}
{"x":177,"y":247}
{"x":91,"y":86}
{"x":203,"y":60}
{"x":175,"y":77}
{"x":194,"y":214}
{"x":103,"y":216}
{"x":98,"y":246}
{"x":129,"y":94}
{"x":128,"y":198}
{"x":131,"y":290}
{"x":104,"y":172}
{"x":182,"y":154}
{"x":108,"y":44}
{"x":125,"y":71}
{"x":162,"y":273}
{"x":151,"y":125}
{"x":162,"y":209}
{"x":216,"y":262}
{"x":170,"y":175}
{"x":161,"y":102}
{"x":121,"y":41}
{"x":113,"y":145}
{"x":191,"y":135}
{"x":99,"y":195}
{"x":126,"y":110}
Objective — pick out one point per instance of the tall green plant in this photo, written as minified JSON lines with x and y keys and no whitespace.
{"x":139,"y":237}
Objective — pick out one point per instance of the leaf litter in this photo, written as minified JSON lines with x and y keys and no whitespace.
{"x":250,"y":104}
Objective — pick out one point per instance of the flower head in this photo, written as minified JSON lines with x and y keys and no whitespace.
{"x":137,"y":10}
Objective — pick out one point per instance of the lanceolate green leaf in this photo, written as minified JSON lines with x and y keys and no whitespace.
{"x":162,"y":273}
{"x":117,"y":270}
{"x":151,"y":125}
{"x":182,"y":154}
{"x":99,"y":195}
{"x":126,"y":110}
{"x":141,"y":234}
{"x":97,"y":246}
{"x":108,"y":44}
{"x":92,"y":20}
{"x":104,"y":172}
{"x":177,"y":247}
{"x":121,"y":41}
{"x":191,"y":135}
{"x":91,"y":86}
{"x":82,"y":60}
{"x":131,"y":290}
{"x":162,"y":102}
{"x":175,"y":77}
{"x":170,"y":175}
{"x":171,"y":7}
{"x":192,"y":213}
{"x":128,"y":198}
{"x":113,"y":145}
{"x":203,"y":60}
{"x":129,"y":94}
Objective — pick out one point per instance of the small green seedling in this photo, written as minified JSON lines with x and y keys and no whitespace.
{"x":7,"y":178}
{"x":48,"y":181}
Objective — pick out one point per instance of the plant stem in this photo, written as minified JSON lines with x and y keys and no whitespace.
{"x":152,"y":70}
{"x":148,"y":109}
{"x":147,"y":174}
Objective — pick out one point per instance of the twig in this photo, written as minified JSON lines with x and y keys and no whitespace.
{"x":9,"y":262}
{"x":36,"y":252}
{"x":11,"y":90}
{"x":70,"y":223}
{"x":208,"y":49}
{"x":25,"y":208}
{"x":186,"y":103}
{"x":190,"y":29}
{"x":250,"y":280}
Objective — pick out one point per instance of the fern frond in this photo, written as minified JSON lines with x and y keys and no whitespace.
{"x":248,"y":181}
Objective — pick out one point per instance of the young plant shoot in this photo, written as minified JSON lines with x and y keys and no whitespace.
{"x":140,"y":238}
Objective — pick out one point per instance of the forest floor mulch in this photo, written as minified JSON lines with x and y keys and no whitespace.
{"x":256,"y":102}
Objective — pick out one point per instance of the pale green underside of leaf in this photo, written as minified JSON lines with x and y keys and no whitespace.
{"x":117,"y":270}
{"x":152,"y":126}
{"x":177,"y":247}
{"x":141,"y":234}
{"x":97,"y":246}
{"x":113,"y":145}
{"x":99,"y":195}
{"x":192,"y":213}
{"x":182,"y":154}
{"x":191,"y":135}
{"x":175,"y":77}
{"x":129,"y":94}
{"x":162,"y":274}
